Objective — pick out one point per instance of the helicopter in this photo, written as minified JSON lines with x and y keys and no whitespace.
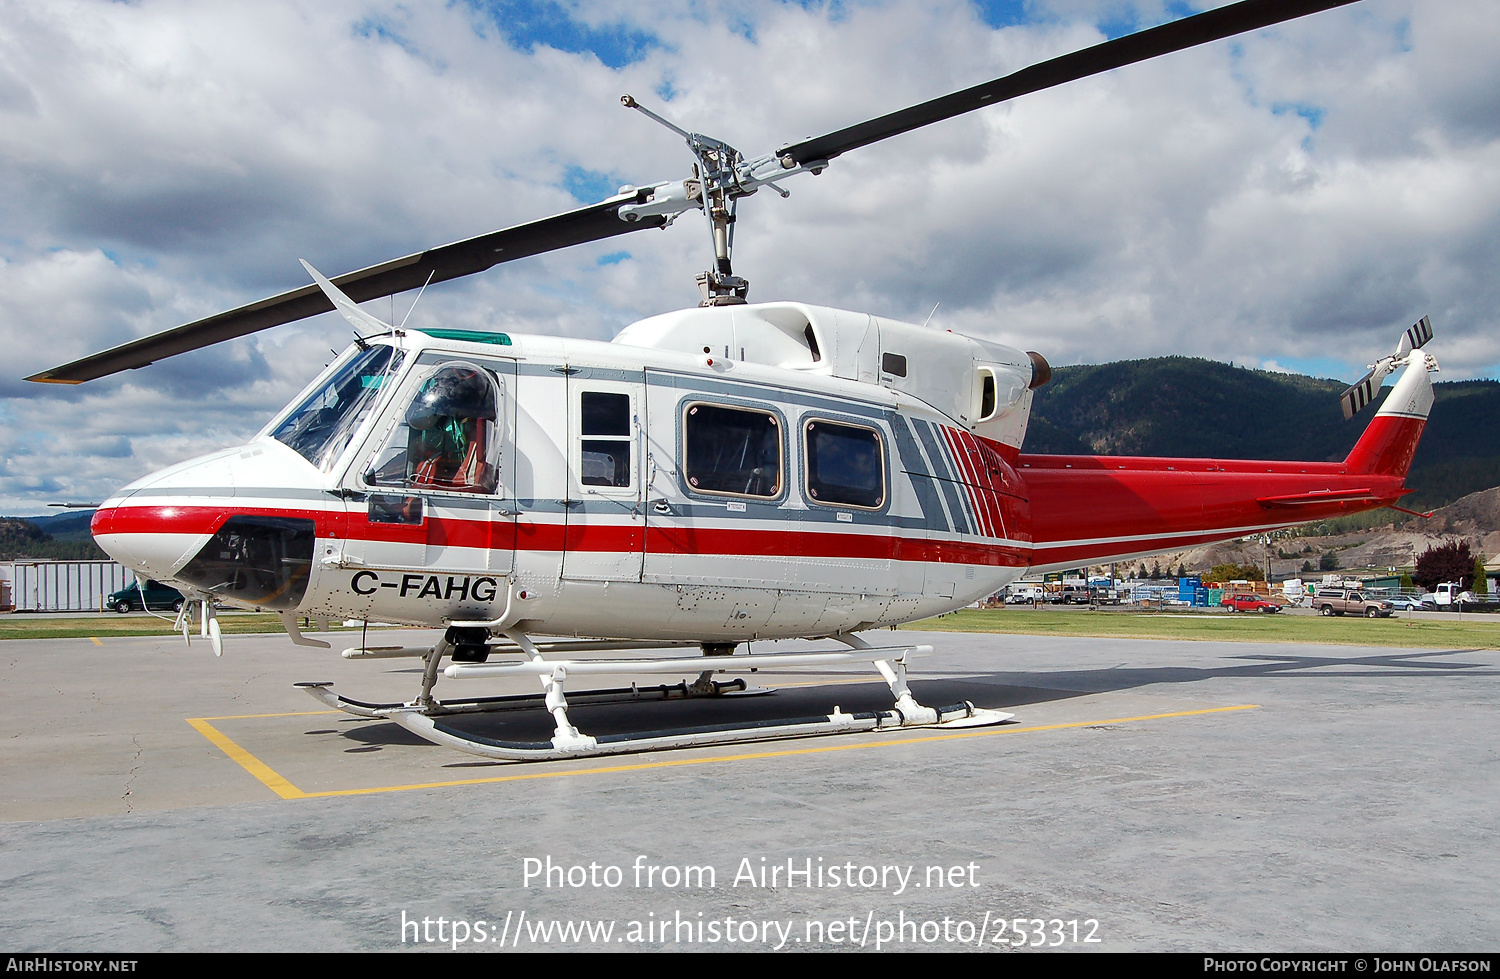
{"x":714,"y":476}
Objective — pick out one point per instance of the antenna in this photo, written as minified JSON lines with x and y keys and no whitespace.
{"x":930,"y":315}
{"x":414,"y":301}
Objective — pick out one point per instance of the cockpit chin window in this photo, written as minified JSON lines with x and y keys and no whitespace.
{"x":321,"y":426}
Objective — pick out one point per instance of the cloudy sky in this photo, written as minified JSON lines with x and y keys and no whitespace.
{"x":1289,"y":199}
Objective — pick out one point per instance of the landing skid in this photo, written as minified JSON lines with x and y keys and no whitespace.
{"x":634,"y":693}
{"x":424,"y":716}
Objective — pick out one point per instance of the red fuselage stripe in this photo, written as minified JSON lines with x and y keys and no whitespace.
{"x":528,"y":536}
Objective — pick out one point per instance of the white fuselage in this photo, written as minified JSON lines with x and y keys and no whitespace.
{"x":616,"y":509}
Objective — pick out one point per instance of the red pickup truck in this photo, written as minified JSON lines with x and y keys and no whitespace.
{"x":1248,"y":603}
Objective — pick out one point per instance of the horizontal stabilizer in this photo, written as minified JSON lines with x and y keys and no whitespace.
{"x":1314,"y":497}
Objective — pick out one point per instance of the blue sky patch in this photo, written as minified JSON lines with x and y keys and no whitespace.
{"x":527,"y":23}
{"x":1002,"y":13}
{"x":1321,"y":367}
{"x":1312,"y":113}
{"x":614,"y":258}
{"x":589,"y":185}
{"x":1119,"y":20}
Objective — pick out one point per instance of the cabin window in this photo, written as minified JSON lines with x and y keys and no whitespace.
{"x":321,"y":426}
{"x":845,"y":464}
{"x":731,"y":451}
{"x":893,"y":364}
{"x":449,"y":436}
{"x":604,"y":456}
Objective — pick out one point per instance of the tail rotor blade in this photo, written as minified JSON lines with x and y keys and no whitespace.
{"x":1363,"y":390}
{"x":1415,"y":336}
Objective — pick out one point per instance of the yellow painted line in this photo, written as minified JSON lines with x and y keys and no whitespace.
{"x":249,"y":717}
{"x":95,"y":640}
{"x":247,"y":761}
{"x":287,"y":790}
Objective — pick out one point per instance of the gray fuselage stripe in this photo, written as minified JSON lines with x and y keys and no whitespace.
{"x":917,"y":472}
{"x":944,"y":474}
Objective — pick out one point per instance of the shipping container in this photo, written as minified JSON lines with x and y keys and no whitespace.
{"x":65,"y":586}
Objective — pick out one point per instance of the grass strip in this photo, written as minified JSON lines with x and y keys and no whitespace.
{"x":28,"y":626}
{"x":1482,"y":633}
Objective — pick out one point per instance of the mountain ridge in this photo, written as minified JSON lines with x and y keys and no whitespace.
{"x":1191,"y":407}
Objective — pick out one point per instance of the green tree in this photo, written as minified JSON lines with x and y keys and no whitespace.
{"x":1235,"y":572}
{"x":1481,"y":584}
{"x":1329,"y":561}
{"x":1307,"y":567}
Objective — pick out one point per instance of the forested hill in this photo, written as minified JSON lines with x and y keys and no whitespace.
{"x":23,"y":537}
{"x":1183,"y":406}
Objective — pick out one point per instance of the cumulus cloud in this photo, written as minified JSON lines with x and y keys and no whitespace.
{"x":1294,"y":196}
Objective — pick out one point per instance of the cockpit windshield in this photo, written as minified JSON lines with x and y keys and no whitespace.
{"x":323,"y":423}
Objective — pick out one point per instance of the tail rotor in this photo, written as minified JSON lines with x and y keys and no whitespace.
{"x":1363,"y":391}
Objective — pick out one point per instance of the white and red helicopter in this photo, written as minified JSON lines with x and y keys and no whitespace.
{"x":715,"y":475}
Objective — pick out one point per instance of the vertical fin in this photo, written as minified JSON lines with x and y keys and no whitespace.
{"x":1390,"y":442}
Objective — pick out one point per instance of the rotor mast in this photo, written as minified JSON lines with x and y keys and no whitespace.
{"x":720,"y":178}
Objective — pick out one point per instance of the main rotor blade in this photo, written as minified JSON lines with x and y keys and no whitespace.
{"x":592,"y":223}
{"x":1211,"y":25}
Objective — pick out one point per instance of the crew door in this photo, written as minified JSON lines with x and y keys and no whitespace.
{"x":432,"y":507}
{"x":605,"y":537}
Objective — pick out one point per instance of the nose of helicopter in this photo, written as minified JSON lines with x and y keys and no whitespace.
{"x":135,"y":537}
{"x":156,"y":524}
{"x":186,"y":524}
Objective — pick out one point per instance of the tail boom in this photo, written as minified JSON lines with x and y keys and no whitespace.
{"x":1091,"y":509}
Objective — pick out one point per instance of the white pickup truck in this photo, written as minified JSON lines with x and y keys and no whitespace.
{"x":1027,"y":594}
{"x":1445,"y":595}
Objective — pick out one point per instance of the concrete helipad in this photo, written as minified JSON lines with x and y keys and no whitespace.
{"x":1158,"y":795}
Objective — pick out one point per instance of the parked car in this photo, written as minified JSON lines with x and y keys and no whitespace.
{"x":1248,"y":603}
{"x":158,"y":595}
{"x":1405,"y":603}
{"x":1338,"y":601}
